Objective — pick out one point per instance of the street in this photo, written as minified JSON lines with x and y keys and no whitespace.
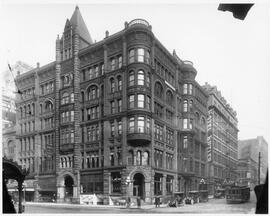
{"x":212,"y":206}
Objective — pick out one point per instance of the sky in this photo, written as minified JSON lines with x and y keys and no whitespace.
{"x":227,"y":52}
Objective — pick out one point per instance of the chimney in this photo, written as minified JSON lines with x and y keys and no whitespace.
{"x":106,"y":34}
{"x":18,"y":73}
{"x":37,"y":64}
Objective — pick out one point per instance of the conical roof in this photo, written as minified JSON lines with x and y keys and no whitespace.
{"x":77,"y":20}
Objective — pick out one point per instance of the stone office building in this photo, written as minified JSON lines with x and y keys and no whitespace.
{"x":119,"y":117}
{"x":222,"y":150}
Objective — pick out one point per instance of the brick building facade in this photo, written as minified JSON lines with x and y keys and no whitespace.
{"x":119,"y":117}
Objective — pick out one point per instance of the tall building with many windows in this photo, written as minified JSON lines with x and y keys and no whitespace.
{"x":249,"y":150}
{"x":222,"y":151}
{"x":119,"y":117}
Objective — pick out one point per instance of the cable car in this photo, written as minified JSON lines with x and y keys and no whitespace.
{"x":238,"y":194}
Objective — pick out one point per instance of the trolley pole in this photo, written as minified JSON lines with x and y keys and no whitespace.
{"x":259,"y":168}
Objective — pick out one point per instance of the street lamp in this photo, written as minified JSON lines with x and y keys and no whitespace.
{"x":128,"y":181}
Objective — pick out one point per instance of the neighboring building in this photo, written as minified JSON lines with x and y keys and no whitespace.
{"x":222,"y":140}
{"x":8,"y":93}
{"x":249,"y":150}
{"x":247,"y":172}
{"x":120,"y":117}
{"x":9,"y":109}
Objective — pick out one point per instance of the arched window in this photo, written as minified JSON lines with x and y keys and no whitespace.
{"x":145,"y":158}
{"x":112,"y":83}
{"x":119,"y":83}
{"x":48,"y":106}
{"x":197,"y":117}
{"x":185,"y":105}
{"x":112,"y":159}
{"x":169,"y":98}
{"x":131,"y":56}
{"x":40,"y":108}
{"x":65,"y":98}
{"x":203,"y":121}
{"x":139,"y":158}
{"x":190,"y":105}
{"x":131,"y":78}
{"x":33,"y":109}
{"x":158,"y":90}
{"x":140,"y":77}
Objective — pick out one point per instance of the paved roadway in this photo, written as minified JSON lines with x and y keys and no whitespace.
{"x":213,"y":206}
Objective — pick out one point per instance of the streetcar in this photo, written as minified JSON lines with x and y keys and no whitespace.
{"x":238,"y":194}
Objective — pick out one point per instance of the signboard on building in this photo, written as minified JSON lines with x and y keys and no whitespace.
{"x":88,"y":199}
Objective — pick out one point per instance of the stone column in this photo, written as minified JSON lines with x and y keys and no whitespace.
{"x":20,"y":210}
{"x":164,"y":184}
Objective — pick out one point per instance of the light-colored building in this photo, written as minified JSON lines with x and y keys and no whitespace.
{"x":250,"y":148}
{"x":222,"y":152}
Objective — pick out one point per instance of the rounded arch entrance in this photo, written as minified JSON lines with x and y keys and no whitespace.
{"x":68,"y":181}
{"x":139,"y":185}
{"x":67,"y":187}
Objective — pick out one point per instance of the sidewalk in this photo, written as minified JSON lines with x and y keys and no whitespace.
{"x":90,"y":206}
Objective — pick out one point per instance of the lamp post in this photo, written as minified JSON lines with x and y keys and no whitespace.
{"x":128,"y":181}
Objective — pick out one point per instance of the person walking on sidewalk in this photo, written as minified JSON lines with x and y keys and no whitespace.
{"x":138,"y":202}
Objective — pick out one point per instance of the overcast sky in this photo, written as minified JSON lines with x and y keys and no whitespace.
{"x":232,"y":54}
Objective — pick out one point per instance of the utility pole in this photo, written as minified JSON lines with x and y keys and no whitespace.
{"x":259,"y":168}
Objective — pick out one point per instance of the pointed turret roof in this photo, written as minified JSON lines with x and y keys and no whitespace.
{"x":77,"y":20}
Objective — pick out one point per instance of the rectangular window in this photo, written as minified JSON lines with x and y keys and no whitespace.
{"x":185,"y":123}
{"x":131,"y":125}
{"x":72,"y":115}
{"x":131,"y":56}
{"x":185,"y":88}
{"x":140,"y":55}
{"x":185,"y":142}
{"x":112,"y":129}
{"x":102,"y":69}
{"x":91,"y":73}
{"x":119,"y":105}
{"x":140,"y":124}
{"x":112,"y":107}
{"x":119,"y":127}
{"x":96,"y":71}
{"x":112,"y":63}
{"x":140,"y":101}
{"x":119,"y":61}
{"x":131,"y":101}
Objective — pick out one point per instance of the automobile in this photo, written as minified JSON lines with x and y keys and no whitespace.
{"x":203,"y":195}
{"x":219,"y":193}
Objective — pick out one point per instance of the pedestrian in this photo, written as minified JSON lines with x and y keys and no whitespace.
{"x":128,"y":202}
{"x":138,"y":202}
{"x":156,"y":201}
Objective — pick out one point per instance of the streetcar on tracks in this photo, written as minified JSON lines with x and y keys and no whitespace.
{"x":237,"y":194}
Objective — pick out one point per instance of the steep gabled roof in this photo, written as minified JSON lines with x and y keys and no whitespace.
{"x":77,"y":20}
